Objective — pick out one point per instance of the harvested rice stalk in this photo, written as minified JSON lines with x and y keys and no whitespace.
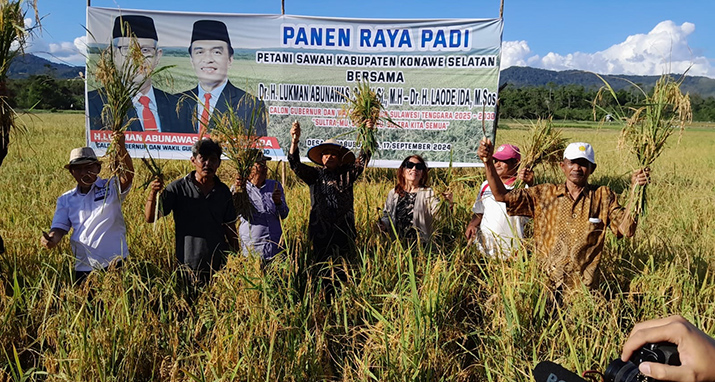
{"x":156,"y":172}
{"x":121,"y":81}
{"x":648,"y":126}
{"x":544,"y":145}
{"x":13,"y":37}
{"x":240,"y":144}
{"x":365,"y":110}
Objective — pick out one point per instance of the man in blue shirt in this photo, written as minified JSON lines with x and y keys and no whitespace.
{"x":261,"y":231}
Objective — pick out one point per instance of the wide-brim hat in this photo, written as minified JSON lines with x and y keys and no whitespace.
{"x":259,"y":156}
{"x":82,"y":155}
{"x":316,"y":152}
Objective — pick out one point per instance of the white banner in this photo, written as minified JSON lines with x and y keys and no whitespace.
{"x":438,"y":79}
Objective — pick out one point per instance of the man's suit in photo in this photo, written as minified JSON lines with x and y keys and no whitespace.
{"x":230,"y":96}
{"x":169,"y":120}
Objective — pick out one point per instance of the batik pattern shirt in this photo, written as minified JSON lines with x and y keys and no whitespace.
{"x":568,"y":234}
{"x":331,"y":196}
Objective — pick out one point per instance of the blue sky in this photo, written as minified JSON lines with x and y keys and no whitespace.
{"x":606,"y":36}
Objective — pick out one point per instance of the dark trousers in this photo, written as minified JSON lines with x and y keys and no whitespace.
{"x":80,"y":276}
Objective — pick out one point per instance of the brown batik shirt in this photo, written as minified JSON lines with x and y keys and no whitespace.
{"x":568,"y":233}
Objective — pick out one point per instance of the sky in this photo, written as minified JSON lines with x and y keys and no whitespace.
{"x":640,"y":37}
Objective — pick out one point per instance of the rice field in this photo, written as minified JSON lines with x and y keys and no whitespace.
{"x":404,"y":314}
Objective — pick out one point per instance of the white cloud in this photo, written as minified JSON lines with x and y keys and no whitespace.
{"x":66,"y":52}
{"x":663,"y":49}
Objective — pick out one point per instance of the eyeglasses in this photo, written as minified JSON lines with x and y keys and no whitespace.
{"x":416,"y":166}
{"x":147,"y":51}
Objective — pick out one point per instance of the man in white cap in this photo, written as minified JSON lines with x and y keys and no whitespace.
{"x":570,"y":219}
{"x":93,"y":210}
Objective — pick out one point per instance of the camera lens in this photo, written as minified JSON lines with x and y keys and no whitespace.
{"x":619,"y":371}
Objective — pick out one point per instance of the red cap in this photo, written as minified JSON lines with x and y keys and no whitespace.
{"x":506,"y":152}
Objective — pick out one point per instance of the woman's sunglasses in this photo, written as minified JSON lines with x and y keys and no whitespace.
{"x":417,"y":166}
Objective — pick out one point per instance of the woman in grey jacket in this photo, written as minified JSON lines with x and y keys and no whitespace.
{"x":411,"y":206}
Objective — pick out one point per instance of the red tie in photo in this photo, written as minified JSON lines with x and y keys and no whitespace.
{"x":147,"y":115}
{"x":205,"y":113}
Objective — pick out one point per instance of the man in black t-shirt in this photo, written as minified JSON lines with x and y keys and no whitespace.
{"x":204,"y":214}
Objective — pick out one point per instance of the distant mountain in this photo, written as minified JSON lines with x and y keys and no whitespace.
{"x":519,"y":76}
{"x":516,"y":76}
{"x":29,"y":64}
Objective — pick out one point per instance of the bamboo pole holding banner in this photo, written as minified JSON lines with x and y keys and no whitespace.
{"x":283,"y":163}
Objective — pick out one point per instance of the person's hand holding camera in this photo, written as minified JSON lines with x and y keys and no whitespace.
{"x":696,"y":349}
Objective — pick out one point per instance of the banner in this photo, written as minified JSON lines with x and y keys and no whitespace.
{"x":438,"y":80}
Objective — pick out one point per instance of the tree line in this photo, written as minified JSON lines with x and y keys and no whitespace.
{"x":575,"y":102}
{"x":45,"y":92}
{"x":572,"y":102}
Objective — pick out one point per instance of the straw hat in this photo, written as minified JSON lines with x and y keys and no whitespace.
{"x":316,"y":152}
{"x":82,"y":155}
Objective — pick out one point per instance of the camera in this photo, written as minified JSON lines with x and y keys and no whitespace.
{"x":662,"y":352}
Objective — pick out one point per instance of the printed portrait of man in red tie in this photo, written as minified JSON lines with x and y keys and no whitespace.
{"x":211,"y":56}
{"x":154,"y":109}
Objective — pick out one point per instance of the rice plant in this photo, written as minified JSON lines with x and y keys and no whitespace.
{"x":240,"y":143}
{"x":404,"y":313}
{"x":543,"y":145}
{"x":649,"y":125}
{"x":121,"y":81}
{"x":365,"y":110}
{"x":13,"y":38}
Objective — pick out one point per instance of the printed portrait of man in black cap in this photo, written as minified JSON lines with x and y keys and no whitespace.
{"x":154,"y":110}
{"x":211,"y":57}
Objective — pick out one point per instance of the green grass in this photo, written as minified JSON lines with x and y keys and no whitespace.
{"x":404,"y":313}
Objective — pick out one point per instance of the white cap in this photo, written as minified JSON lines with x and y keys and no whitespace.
{"x":578,"y":150}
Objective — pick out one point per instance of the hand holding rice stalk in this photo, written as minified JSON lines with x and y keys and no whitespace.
{"x":240,"y":144}
{"x":544,"y":145}
{"x":365,"y":110}
{"x":649,"y":125}
{"x":121,"y":82}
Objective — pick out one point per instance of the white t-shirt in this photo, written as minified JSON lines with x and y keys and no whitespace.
{"x":500,"y":233}
{"x":99,"y":233}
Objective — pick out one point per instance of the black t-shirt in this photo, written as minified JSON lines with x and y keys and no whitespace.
{"x":199,"y":220}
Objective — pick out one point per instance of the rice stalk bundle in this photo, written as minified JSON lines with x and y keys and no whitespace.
{"x":120,"y":85}
{"x":13,"y":37}
{"x":365,"y":111}
{"x":649,"y":125}
{"x":544,"y":145}
{"x":240,"y":143}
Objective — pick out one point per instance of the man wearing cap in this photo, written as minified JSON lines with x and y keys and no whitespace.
{"x":154,"y":110}
{"x":496,"y":233}
{"x":332,"y":218}
{"x":570,"y":219}
{"x":261,"y":230}
{"x":93,"y":210}
{"x":204,"y":215}
{"x":211,"y":57}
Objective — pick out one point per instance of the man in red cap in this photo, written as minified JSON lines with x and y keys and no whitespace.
{"x":496,"y":233}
